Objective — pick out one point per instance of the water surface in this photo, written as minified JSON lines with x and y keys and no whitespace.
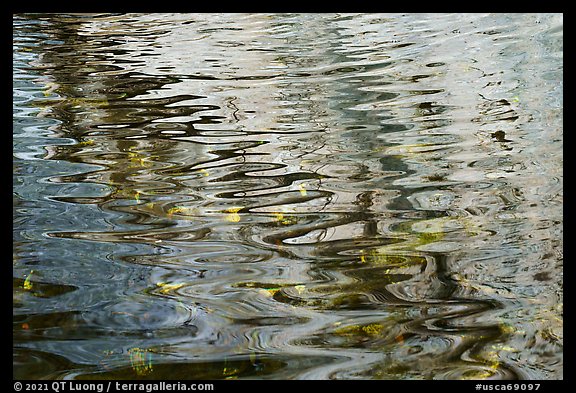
{"x":288,"y":196}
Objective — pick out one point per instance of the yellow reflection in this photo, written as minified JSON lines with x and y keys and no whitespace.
{"x":167,"y":288}
{"x":140,"y":361}
{"x":27,"y":282}
{"x":232,"y":215}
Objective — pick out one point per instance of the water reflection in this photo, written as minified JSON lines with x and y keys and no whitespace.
{"x":288,"y":196}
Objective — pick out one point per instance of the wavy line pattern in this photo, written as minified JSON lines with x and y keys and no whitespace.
{"x":295,"y":196}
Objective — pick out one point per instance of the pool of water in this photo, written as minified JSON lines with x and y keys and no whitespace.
{"x":288,"y":196}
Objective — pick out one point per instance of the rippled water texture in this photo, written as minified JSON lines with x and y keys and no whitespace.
{"x":312,"y":196}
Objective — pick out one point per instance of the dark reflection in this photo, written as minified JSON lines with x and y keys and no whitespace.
{"x":285,"y":196}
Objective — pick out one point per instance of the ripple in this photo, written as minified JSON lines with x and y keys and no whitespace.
{"x":298,"y":196}
{"x":30,"y":363}
{"x":132,"y":317}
